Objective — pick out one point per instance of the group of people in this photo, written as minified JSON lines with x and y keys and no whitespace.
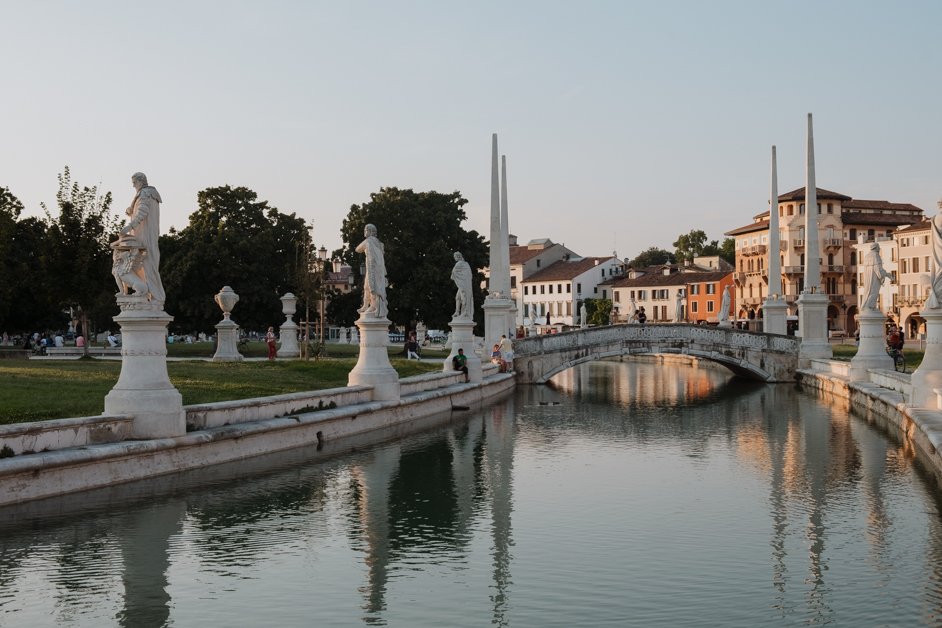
{"x":503,"y":354}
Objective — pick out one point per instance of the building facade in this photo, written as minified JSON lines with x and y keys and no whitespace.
{"x":553,"y":295}
{"x":841,"y":221}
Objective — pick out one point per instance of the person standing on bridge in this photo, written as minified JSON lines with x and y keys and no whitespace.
{"x":641,"y":315}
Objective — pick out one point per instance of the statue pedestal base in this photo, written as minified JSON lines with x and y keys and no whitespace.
{"x":144,"y":390}
{"x":227,"y":345}
{"x":773,"y":316}
{"x":813,"y":327}
{"x":726,"y":323}
{"x":929,"y":374}
{"x":497,"y":320}
{"x":289,"y":340}
{"x":373,"y":367}
{"x":462,"y":337}
{"x":871,"y":353}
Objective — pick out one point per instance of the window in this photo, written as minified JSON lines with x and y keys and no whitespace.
{"x":710,"y":305}
{"x":693,"y":307}
{"x":870,"y":234}
{"x":537,"y":263}
{"x":853,"y":258}
{"x":853,"y":235}
{"x":695,"y":288}
{"x":551,"y":288}
{"x":559,"y":288}
{"x":526,"y":290}
{"x":579,"y":288}
{"x":791,"y":210}
{"x":604,"y":293}
{"x":830,"y":208}
{"x":904,"y":266}
{"x":801,"y":209}
{"x":711,"y":288}
{"x":617,"y":296}
{"x":568,"y":288}
{"x":542,"y":289}
{"x":513,"y":282}
{"x":915,"y":265}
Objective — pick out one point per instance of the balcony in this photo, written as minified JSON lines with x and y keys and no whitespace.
{"x":836,"y":298}
{"x":739,"y":277}
{"x":749,"y":301}
{"x":755,"y":249}
{"x":798,"y":244}
{"x":833,"y":243}
{"x":833,"y":269}
{"x":793,"y":270}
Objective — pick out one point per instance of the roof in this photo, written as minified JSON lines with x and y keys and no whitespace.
{"x":867,"y":218}
{"x":566,"y":269}
{"x":674,"y":279}
{"x":753,"y":226}
{"x":923,"y":225}
{"x":864,"y":204}
{"x":522,"y":254}
{"x":799,"y":195}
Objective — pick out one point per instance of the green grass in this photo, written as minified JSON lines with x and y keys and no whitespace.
{"x":34,"y":390}
{"x":848,"y":351}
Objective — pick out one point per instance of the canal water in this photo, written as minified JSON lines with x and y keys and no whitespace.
{"x":625,"y":494}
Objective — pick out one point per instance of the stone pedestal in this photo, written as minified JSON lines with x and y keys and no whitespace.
{"x":929,"y":374}
{"x":774,"y":312}
{"x":373,"y":367}
{"x":871,"y":353}
{"x":227,"y":342}
{"x":813,"y":326}
{"x":462,"y":337}
{"x":144,"y":390}
{"x":497,"y":320}
{"x":725,"y":323}
{"x":288,"y":331}
{"x":227,"y":331}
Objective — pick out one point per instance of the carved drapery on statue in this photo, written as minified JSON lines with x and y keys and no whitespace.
{"x":934,"y":300}
{"x":136,"y":256}
{"x":464,"y":297}
{"x":723,"y":314}
{"x":874,"y":275}
{"x":374,"y":283}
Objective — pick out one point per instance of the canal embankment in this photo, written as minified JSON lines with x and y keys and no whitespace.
{"x":53,"y":458}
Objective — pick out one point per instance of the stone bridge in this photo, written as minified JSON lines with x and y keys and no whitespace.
{"x":759,"y":356}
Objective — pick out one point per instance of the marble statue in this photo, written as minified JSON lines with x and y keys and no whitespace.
{"x":678,"y":308}
{"x":464,"y":297}
{"x":583,"y":316}
{"x":934,"y":300}
{"x":631,"y":312}
{"x":374,"y":284}
{"x":136,"y":258}
{"x":723,"y":314}
{"x":873,"y":277}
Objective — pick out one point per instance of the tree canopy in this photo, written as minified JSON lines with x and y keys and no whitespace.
{"x":694,"y":244}
{"x":651,"y":257}
{"x":232,"y":239}
{"x":420,"y":231}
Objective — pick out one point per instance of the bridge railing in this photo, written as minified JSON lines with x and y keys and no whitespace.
{"x":717,"y":336}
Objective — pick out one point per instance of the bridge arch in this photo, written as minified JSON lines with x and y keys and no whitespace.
{"x":755,"y":355}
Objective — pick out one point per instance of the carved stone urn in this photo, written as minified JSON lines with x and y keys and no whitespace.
{"x":226,"y":299}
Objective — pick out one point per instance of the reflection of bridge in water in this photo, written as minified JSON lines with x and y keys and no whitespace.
{"x":760,"y":356}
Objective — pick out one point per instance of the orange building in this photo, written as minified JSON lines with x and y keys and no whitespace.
{"x":705,"y":295}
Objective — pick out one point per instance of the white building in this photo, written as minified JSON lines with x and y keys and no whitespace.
{"x":552,"y":296}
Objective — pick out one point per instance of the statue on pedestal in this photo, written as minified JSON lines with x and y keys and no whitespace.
{"x":873,"y":277}
{"x":464,"y":297}
{"x":723,"y":314}
{"x":934,"y":300}
{"x":374,"y":283}
{"x":136,"y":258}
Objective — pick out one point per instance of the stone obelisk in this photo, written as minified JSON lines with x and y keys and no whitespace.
{"x":774,"y":308}
{"x":813,"y":302}
{"x":505,"y":249}
{"x":498,"y":305}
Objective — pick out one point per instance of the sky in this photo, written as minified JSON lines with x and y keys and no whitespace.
{"x":624,"y":123}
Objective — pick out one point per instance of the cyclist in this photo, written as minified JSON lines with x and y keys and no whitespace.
{"x":894,"y":341}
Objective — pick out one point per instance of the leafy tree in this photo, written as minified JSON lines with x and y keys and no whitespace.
{"x":689,"y":245}
{"x":78,"y":255}
{"x":598,"y":311}
{"x":652,"y":257}
{"x":420,"y":231}
{"x":232,"y":239}
{"x":10,"y":208}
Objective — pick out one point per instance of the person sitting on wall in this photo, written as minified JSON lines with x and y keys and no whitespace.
{"x":498,"y":360}
{"x":460,"y":363}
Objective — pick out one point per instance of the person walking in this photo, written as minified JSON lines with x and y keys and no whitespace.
{"x":271,"y":339}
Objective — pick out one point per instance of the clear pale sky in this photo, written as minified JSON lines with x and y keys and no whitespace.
{"x":624,"y":123}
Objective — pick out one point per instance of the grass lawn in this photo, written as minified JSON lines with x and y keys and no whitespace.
{"x":34,"y":390}
{"x":847,"y":351}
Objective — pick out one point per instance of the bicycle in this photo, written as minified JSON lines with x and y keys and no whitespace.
{"x":899,"y":361}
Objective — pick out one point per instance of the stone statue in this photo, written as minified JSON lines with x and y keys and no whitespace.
{"x":873,"y":277}
{"x":136,"y":258}
{"x":934,"y":300}
{"x":464,"y":297}
{"x":723,"y":314}
{"x":631,"y":312}
{"x":583,"y":316}
{"x":374,"y":284}
{"x":678,"y":308}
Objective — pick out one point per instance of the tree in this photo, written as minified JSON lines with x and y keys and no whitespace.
{"x":689,"y":245}
{"x":78,"y":254}
{"x":232,"y":239}
{"x":420,"y":231}
{"x":10,"y":208}
{"x":598,"y":311}
{"x":651,"y":257}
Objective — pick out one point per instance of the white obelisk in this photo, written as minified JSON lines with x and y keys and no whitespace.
{"x":774,"y":309}
{"x":498,"y":305}
{"x":505,"y":249}
{"x":813,"y":302}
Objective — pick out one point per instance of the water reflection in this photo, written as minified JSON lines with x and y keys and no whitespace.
{"x":713,"y":500}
